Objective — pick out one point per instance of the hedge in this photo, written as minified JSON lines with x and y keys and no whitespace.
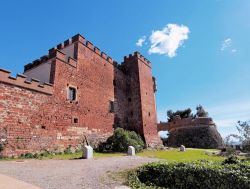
{"x":200,"y":174}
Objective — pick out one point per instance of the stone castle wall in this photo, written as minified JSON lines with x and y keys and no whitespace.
{"x":37,"y":116}
{"x":194,"y":133}
{"x":185,"y":122}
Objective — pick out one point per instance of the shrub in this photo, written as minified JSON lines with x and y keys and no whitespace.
{"x":36,"y":155}
{"x":201,"y":112}
{"x":68,"y":150}
{"x":44,"y":154}
{"x":182,"y":113}
{"x":231,"y":160}
{"x":121,"y":140}
{"x":28,"y":155}
{"x":200,"y":174}
{"x":229,"y":151}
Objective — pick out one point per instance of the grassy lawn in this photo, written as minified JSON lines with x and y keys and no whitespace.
{"x":77,"y":155}
{"x":175,"y":155}
{"x":169,"y":155}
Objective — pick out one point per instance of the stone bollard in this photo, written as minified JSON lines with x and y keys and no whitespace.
{"x":182,"y":148}
{"x":87,"y":152}
{"x":131,"y":151}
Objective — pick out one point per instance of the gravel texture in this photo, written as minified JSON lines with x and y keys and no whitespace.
{"x":73,"y":174}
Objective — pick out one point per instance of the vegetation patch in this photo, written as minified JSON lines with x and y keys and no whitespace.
{"x":189,"y":155}
{"x":121,"y":140}
{"x":199,"y":174}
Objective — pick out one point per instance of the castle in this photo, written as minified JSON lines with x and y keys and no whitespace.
{"x":74,"y":91}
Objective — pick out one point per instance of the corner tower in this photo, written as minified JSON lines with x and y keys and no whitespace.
{"x":141,"y":98}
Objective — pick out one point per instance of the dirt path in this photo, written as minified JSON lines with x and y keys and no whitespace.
{"x":72,"y":174}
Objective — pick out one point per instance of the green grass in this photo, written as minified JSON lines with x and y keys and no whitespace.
{"x":175,"y":155}
{"x":170,"y":155}
{"x":76,"y":155}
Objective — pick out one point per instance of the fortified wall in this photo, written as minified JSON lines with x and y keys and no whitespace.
{"x":75,"y":91}
{"x":198,"y":132}
{"x":185,"y":123}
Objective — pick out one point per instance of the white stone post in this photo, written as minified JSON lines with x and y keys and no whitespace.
{"x":87,"y":152}
{"x":131,"y":151}
{"x":182,"y":148}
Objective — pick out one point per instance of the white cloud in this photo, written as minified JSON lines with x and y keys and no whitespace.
{"x":168,"y":40}
{"x":226,"y":44}
{"x":141,"y":41}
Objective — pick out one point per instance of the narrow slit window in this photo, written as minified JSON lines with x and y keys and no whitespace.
{"x":72,"y":94}
{"x":111,"y":107}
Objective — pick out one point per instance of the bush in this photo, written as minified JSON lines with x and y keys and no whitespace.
{"x":200,"y":174}
{"x":120,"y":141}
{"x":182,"y":113}
{"x":231,"y":160}
{"x":228,"y":151}
{"x":68,"y":150}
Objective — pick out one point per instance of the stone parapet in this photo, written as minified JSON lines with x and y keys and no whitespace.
{"x":21,"y":81}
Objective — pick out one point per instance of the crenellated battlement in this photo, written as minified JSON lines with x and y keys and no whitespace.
{"x":21,"y":81}
{"x":53,"y":53}
{"x":137,"y":55}
{"x":79,"y":38}
{"x":75,"y":39}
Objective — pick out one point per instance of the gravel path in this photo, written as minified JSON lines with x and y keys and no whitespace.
{"x":72,"y":174}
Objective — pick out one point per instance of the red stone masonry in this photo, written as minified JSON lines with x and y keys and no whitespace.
{"x":36,"y":116}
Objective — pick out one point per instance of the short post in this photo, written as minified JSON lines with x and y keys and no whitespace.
{"x":87,"y":152}
{"x":182,"y":148}
{"x":131,"y":151}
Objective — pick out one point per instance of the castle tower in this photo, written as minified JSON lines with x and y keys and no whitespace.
{"x":141,"y":98}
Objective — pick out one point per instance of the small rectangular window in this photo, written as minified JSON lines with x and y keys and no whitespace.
{"x":75,"y":120}
{"x":72,"y":93}
{"x":111,"y":107}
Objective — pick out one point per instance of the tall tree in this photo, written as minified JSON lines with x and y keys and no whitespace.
{"x":201,"y":112}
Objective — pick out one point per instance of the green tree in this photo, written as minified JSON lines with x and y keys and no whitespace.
{"x":182,"y":113}
{"x":200,"y":112}
{"x":243,"y":128}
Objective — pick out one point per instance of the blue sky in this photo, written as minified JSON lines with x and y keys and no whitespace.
{"x":200,"y":50}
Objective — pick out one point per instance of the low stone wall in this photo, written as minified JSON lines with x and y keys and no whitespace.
{"x":185,"y":122}
{"x":196,"y":137}
{"x":193,"y":133}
